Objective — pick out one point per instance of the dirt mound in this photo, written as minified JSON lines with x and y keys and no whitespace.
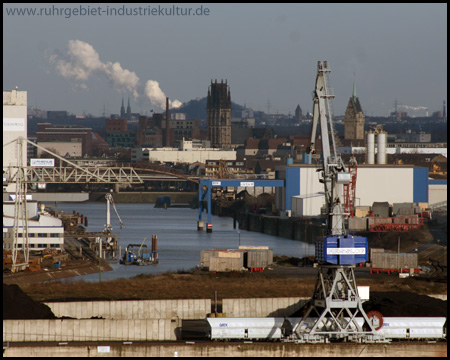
{"x":399,"y":304}
{"x":403,"y":303}
{"x":18,"y":305}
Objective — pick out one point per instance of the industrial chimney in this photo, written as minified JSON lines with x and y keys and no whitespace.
{"x":167,"y":123}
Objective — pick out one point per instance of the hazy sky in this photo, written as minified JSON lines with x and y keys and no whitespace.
{"x":267,"y":52}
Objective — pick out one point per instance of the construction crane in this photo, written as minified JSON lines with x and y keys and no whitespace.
{"x":334,"y":172}
{"x":350,"y":188}
{"x":108,"y":227}
{"x":335,"y":300}
{"x":20,"y":215}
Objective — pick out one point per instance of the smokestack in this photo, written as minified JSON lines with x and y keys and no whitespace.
{"x":167,"y":123}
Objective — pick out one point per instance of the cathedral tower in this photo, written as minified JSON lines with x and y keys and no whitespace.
{"x":219,"y":115}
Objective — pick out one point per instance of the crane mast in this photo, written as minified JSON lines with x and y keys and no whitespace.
{"x":335,"y":295}
{"x":334,"y":172}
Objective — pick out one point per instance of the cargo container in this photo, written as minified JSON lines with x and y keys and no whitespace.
{"x":205,"y":256}
{"x":374,"y":251}
{"x":362,"y":211}
{"x":222,"y":264}
{"x":405,"y":211}
{"x":381,"y":209}
{"x":259,"y":258}
{"x":394,"y":261}
{"x":357,"y":224}
{"x":247,"y":247}
{"x":378,"y":220}
{"x":406,"y":205}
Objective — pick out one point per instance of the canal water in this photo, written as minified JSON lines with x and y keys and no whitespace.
{"x":179,"y":242}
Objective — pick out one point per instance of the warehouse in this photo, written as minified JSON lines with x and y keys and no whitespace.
{"x":375,"y":183}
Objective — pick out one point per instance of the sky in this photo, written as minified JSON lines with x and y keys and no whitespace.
{"x":84,"y":61}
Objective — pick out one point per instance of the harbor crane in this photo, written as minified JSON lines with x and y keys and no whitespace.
{"x":335,"y":300}
{"x":111,"y":243}
{"x":108,"y":226}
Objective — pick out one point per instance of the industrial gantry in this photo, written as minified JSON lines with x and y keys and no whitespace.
{"x":210,"y":183}
{"x":335,"y":300}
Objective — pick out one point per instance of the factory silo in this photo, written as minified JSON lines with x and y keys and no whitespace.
{"x":370,"y":147}
{"x":381,"y":142}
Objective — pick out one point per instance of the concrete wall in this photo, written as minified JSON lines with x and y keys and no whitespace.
{"x":263,"y":307}
{"x":133,"y":309}
{"x":234,"y":350}
{"x":89,"y":330}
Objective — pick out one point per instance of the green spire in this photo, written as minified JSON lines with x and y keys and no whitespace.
{"x":354,"y":88}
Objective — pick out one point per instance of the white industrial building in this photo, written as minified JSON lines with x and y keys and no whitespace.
{"x":303,"y":193}
{"x":186,"y":153}
{"x":62,"y":148}
{"x":14,"y":125}
{"x":44,"y":230}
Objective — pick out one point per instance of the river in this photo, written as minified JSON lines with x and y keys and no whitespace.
{"x":179,"y":242}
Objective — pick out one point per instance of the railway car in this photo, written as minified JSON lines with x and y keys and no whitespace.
{"x":246,"y":328}
{"x":398,"y":327}
{"x":429,"y":328}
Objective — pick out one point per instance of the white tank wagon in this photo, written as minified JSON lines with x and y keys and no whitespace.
{"x":414,"y":328}
{"x":394,"y":327}
{"x":245,"y":328}
{"x":265,"y":329}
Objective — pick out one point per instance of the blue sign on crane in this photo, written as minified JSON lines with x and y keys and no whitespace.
{"x":342,"y":249}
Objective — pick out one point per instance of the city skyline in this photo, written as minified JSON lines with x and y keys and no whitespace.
{"x":267,"y":53}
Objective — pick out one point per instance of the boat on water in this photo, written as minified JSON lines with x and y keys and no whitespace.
{"x":136,"y":254}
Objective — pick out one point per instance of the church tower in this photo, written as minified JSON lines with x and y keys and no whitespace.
{"x":219,"y":114}
{"x":298,"y":114}
{"x":128,"y":109}
{"x":354,"y":118}
{"x":122,"y":111}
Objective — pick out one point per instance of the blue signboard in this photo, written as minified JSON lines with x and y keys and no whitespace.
{"x":342,"y":250}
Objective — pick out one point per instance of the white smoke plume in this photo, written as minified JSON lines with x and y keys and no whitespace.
{"x":158,"y":98}
{"x":82,"y":61}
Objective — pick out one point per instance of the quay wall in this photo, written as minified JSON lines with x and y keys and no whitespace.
{"x":187,"y":309}
{"x":263,"y":307}
{"x":290,"y":228}
{"x":145,"y":197}
{"x":245,"y":350}
{"x":90,"y":330}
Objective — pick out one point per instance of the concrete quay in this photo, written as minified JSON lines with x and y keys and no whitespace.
{"x":145,"y":197}
{"x":228,"y":350}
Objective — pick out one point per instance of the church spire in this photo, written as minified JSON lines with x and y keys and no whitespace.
{"x":354,"y":87}
{"x":122,"y":110}
{"x":128,"y":109}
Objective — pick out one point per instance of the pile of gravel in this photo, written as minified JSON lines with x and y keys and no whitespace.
{"x":404,"y":303}
{"x":18,"y":305}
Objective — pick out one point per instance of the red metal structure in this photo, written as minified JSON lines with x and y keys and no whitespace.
{"x":396,"y":227}
{"x":350,"y":190}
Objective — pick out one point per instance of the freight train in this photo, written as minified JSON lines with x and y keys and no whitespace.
{"x":281,"y":329}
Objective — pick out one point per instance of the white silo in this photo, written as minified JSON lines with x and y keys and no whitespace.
{"x":370,"y":147}
{"x":381,"y":154}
